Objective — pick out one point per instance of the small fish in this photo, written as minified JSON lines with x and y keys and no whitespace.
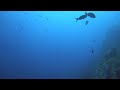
{"x":86,"y":23}
{"x":92,"y":51}
{"x":81,"y":17}
{"x":91,"y":15}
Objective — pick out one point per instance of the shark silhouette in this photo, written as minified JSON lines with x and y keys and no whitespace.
{"x":91,"y":15}
{"x":81,"y":17}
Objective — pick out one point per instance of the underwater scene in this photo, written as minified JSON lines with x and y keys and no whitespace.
{"x":59,"y":44}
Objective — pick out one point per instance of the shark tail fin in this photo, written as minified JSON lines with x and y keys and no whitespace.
{"x":76,"y":19}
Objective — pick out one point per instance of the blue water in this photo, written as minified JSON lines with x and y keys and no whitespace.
{"x":51,"y":44}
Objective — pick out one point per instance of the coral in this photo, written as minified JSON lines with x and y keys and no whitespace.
{"x":112,"y":52}
{"x":109,"y":68}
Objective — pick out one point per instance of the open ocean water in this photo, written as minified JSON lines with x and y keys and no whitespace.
{"x":52,"y":45}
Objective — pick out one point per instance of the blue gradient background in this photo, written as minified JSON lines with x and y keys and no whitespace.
{"x":51,"y":44}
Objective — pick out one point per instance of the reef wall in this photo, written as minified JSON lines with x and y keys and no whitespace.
{"x":108,"y":66}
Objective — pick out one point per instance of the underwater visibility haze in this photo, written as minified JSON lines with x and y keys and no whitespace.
{"x":59,"y":45}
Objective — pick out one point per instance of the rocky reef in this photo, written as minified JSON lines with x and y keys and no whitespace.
{"x":109,"y":63}
{"x":108,"y":69}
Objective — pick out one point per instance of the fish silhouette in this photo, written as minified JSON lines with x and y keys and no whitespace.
{"x":91,"y":15}
{"x":81,"y":17}
{"x":92,"y":50}
{"x":86,"y":23}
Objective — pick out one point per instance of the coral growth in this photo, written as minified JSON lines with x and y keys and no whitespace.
{"x":109,"y":66}
{"x":109,"y":69}
{"x":112,"y":52}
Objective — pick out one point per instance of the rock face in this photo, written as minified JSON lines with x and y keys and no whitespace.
{"x":112,"y":52}
{"x":109,"y":65}
{"x":109,"y":69}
